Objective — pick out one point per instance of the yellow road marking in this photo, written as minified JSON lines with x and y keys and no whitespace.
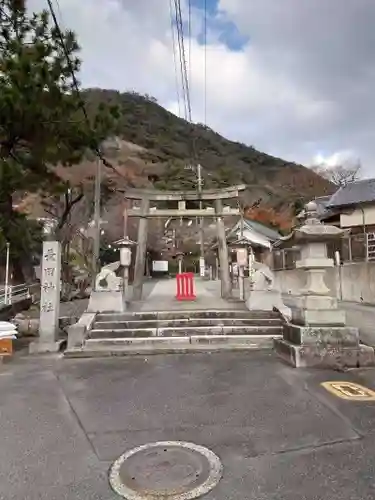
{"x":349,"y":391}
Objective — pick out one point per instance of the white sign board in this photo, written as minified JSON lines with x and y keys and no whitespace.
{"x":160,"y":266}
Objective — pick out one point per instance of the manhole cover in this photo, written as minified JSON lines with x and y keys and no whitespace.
{"x":172,"y":470}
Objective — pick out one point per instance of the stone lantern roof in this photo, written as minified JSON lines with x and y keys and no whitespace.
{"x":125,"y":243}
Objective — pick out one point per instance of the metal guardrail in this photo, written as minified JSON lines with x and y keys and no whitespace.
{"x":15,"y":293}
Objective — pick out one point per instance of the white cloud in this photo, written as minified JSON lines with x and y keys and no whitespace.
{"x":339,"y":158}
{"x":303,"y":84}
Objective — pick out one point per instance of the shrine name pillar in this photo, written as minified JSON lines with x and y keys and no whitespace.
{"x":226,"y":288}
{"x":140,"y":259}
{"x":48,"y":340}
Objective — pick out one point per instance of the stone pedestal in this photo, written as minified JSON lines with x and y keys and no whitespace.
{"x":260,"y":300}
{"x":107,"y":301}
{"x":267,"y":300}
{"x":324,"y":356}
{"x":49,"y":300}
{"x":317,"y":335}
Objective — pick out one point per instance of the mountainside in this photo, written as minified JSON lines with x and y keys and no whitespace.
{"x":152,"y":148}
{"x":168,"y":142}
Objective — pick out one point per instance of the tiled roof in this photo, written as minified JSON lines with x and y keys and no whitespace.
{"x":268,"y":232}
{"x":354,"y":193}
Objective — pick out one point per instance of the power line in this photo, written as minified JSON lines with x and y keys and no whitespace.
{"x":71,"y":69}
{"x":180,"y":32}
{"x":59,"y":10}
{"x":181,"y":59}
{"x":205,"y":60}
{"x":95,"y":145}
{"x":189,"y":36}
{"x":175,"y":58}
{"x":184,"y":75}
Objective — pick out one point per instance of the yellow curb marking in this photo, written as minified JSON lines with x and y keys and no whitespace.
{"x":349,"y":391}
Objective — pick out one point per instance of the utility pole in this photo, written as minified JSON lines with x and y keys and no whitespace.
{"x":241,"y":265}
{"x":127,"y":252}
{"x":241,"y":222}
{"x":198,"y":171}
{"x":96,"y":250}
{"x":201,"y":236}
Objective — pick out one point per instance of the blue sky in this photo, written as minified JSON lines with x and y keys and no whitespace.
{"x":228,"y":32}
{"x":212,"y":5}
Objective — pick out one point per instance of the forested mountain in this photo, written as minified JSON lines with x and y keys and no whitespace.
{"x":168,"y":143}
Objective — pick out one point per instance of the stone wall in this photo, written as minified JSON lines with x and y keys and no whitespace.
{"x":354,"y":282}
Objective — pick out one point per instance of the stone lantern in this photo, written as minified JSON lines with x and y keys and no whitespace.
{"x":317,"y":334}
{"x":241,"y":247}
{"x":180,"y":258}
{"x":125,"y":245}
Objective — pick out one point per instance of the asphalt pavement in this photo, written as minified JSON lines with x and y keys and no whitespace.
{"x":278,"y":433}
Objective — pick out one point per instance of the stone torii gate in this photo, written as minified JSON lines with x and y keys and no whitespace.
{"x":145,"y":212}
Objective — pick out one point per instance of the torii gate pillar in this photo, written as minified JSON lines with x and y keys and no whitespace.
{"x":140,"y":258}
{"x":226,"y":287}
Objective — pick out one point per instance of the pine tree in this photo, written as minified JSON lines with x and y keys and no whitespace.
{"x":42,"y":122}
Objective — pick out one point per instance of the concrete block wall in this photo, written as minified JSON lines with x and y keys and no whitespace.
{"x":352,"y":282}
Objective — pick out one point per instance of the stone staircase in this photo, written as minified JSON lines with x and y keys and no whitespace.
{"x":179,"y":331}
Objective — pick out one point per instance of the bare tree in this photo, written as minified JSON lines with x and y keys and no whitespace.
{"x":340,"y":175}
{"x":71,"y":210}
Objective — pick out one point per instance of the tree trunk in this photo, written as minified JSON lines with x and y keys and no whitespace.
{"x":66,"y":275}
{"x":6,"y":213}
{"x":18,"y":275}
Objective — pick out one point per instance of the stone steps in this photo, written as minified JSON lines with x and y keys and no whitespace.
{"x":103,"y":348}
{"x":185,"y":323}
{"x":186,"y":314}
{"x":180,"y":341}
{"x":185,"y":331}
{"x":180,"y":331}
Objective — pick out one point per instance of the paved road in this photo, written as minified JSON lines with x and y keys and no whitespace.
{"x":279,"y":435}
